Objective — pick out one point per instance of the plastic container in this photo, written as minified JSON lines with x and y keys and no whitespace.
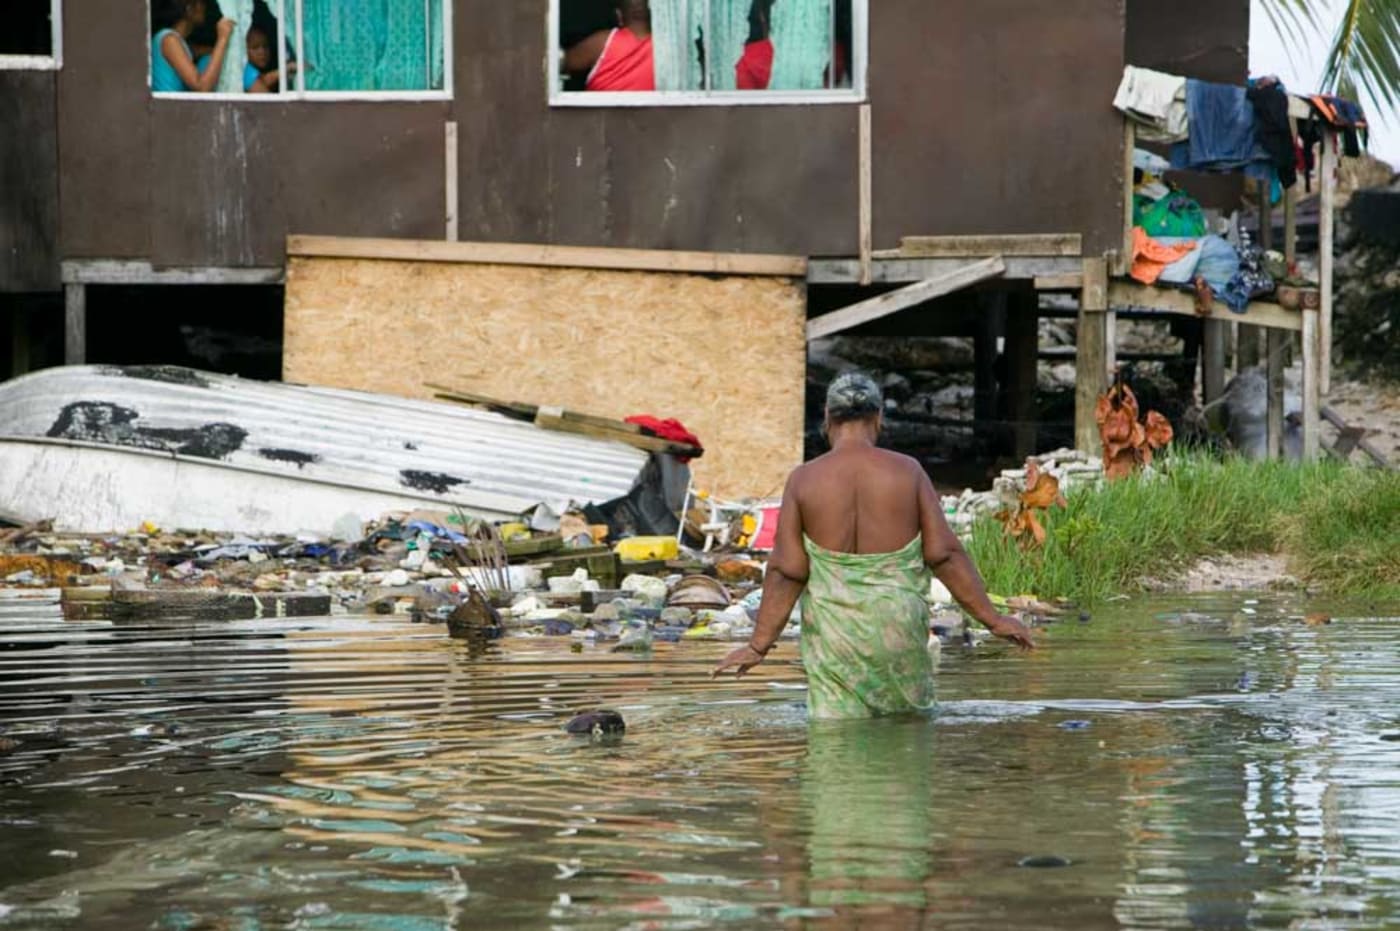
{"x":647,"y":549}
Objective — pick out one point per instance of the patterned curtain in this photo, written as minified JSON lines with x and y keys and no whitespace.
{"x":373,"y":45}
{"x":231,"y":78}
{"x":675,"y":27}
{"x":801,"y":44}
{"x":729,"y":30}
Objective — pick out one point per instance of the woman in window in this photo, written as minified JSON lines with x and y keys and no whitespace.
{"x":172,"y":62}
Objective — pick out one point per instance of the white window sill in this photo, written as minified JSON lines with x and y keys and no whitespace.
{"x":309,"y":96}
{"x":702,"y":98}
{"x":29,"y":63}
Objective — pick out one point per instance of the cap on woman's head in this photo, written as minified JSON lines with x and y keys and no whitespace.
{"x":852,"y":396}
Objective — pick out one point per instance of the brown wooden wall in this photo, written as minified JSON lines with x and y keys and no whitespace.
{"x":222,"y":184}
{"x":990,"y":116}
{"x":28,"y":182}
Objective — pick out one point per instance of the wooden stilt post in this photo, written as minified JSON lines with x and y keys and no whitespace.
{"x":1312,"y":385}
{"x":1213,"y":359}
{"x":866,"y":182}
{"x":1326,"y":234}
{"x":1091,"y":357}
{"x":1290,"y":251}
{"x":75,"y":324}
{"x":1247,"y":340}
{"x":450,"y":179}
{"x":1022,"y":364}
{"x":1276,"y":341}
{"x":19,"y":340}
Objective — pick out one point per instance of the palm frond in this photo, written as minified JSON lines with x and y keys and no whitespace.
{"x":1293,"y":20}
{"x":1365,"y":51}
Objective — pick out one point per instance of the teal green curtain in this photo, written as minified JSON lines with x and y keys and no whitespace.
{"x":373,"y":45}
{"x":231,"y":78}
{"x":801,"y":44}
{"x":675,"y":27}
{"x":729,"y":30}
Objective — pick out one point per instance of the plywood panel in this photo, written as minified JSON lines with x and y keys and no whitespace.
{"x":725,"y":355}
{"x":28,"y":182}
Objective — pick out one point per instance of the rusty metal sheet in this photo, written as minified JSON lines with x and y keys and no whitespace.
{"x":28,"y":182}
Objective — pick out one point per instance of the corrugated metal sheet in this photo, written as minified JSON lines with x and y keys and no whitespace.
{"x":481,"y":461}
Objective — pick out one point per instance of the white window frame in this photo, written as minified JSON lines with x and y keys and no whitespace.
{"x":300,"y":93}
{"x":856,"y":93}
{"x":51,"y":62}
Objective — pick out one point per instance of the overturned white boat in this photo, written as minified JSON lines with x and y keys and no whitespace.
{"x":106,"y":448}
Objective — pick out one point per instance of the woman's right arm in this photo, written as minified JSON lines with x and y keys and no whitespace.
{"x":179,"y":57}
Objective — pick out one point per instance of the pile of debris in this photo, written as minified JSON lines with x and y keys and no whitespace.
{"x":1071,"y":468}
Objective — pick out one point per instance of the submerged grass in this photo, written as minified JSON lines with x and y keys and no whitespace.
{"x":1338,"y":526}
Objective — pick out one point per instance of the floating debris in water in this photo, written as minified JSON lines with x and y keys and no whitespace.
{"x":1044,"y":861}
{"x":601,"y":723}
{"x":1317,"y":620}
{"x":1073,"y":725}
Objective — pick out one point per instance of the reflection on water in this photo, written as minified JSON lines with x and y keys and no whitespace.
{"x":1197,"y":763}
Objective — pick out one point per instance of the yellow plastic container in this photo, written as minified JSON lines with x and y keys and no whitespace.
{"x":647,"y":549}
{"x":514,"y":532}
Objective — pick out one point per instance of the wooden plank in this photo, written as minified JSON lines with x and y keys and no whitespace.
{"x":1070,"y":282}
{"x":1326,"y":237}
{"x":1366,"y":446}
{"x":122,"y":271}
{"x":1276,"y":341}
{"x":450,"y":178}
{"x":1123,"y":294}
{"x":75,"y":324}
{"x":651,"y":444}
{"x":488,"y":253}
{"x":1022,"y":358}
{"x":907,"y":271}
{"x":969,"y":273}
{"x":867,"y":184}
{"x":1290,"y":224}
{"x":1091,"y":361}
{"x":1069,"y":245}
{"x":1124,"y":259}
{"x":1312,"y":397}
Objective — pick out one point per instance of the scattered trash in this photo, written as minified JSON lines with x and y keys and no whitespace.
{"x":1044,"y":861}
{"x":601,"y":723}
{"x":1074,"y":725}
{"x":1317,"y":620}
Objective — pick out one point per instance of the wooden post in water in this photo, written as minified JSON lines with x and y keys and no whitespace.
{"x":1091,"y":356}
{"x":1312,"y":386}
{"x":75,"y":324}
{"x":1213,"y":359}
{"x":1326,"y":233}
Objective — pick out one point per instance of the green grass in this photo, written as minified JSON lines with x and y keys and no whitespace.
{"x":1338,"y":526}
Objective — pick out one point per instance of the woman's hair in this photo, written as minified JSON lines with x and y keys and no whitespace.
{"x":166,"y":13}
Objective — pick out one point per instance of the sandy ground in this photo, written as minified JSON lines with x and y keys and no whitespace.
{"x":1260,"y":572}
{"x":1375,"y":407}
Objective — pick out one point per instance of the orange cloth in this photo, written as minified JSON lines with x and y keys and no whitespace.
{"x":1150,"y":257}
{"x":755,"y":68}
{"x":625,"y":65}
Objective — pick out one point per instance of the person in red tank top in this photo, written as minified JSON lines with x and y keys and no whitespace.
{"x":618,"y":59}
{"x":755,"y":68}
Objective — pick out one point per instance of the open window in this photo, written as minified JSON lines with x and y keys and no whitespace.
{"x":301,"y":49}
{"x":661,"y":52}
{"x":32,"y":35}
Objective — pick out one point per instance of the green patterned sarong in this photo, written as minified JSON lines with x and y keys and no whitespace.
{"x":865,"y":633}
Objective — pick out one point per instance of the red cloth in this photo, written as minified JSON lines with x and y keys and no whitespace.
{"x":672,"y":430}
{"x":755,"y":68}
{"x":625,"y":65}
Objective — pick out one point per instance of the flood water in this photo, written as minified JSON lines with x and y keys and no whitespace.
{"x":1189,"y":762}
